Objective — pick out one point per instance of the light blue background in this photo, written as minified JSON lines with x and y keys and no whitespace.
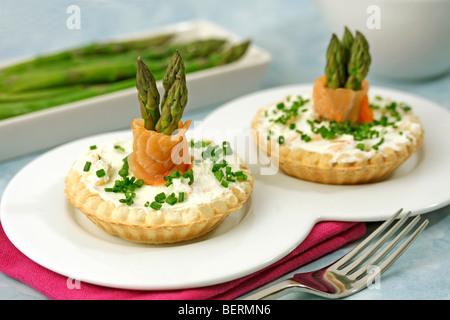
{"x":293,"y":32}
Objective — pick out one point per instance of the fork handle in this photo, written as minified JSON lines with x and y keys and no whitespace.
{"x":275,"y":291}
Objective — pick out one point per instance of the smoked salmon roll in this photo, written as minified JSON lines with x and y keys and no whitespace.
{"x":340,"y":104}
{"x":155,"y":155}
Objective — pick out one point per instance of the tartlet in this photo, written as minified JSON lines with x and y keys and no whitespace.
{"x":157,"y":187}
{"x":340,"y":134}
{"x":310,"y":148}
{"x":207,"y":201}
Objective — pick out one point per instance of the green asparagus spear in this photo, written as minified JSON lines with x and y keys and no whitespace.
{"x":123,"y":46}
{"x":173,"y":71}
{"x":106,"y":72}
{"x":6,"y":97}
{"x":175,"y":105}
{"x":347,"y":42}
{"x":358,"y":65}
{"x":175,"y":96}
{"x":95,"y":49}
{"x":347,"y":61}
{"x":98,"y":70}
{"x":235,"y":52}
{"x":198,"y":48}
{"x":148,"y":95}
{"x":12,"y":109}
{"x":335,"y":68}
{"x":219,"y":58}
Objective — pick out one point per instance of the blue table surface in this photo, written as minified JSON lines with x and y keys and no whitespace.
{"x":293,"y":31}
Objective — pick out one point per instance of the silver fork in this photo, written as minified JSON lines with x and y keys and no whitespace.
{"x":353,"y":272}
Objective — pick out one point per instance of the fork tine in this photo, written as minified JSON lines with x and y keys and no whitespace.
{"x":386,"y":250}
{"x":355,"y":251}
{"x":352,"y":266}
{"x":397,"y":253}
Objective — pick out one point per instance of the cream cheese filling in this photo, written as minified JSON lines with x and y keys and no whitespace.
{"x":205,"y":187}
{"x":297,"y":132}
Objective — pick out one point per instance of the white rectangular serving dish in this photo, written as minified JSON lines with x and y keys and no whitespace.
{"x":60,"y":124}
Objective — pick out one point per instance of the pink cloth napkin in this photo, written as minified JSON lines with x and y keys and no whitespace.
{"x":324,"y":238}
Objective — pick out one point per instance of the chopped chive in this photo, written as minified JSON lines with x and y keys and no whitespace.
{"x":199,"y":144}
{"x":175,"y":174}
{"x":406,"y":108}
{"x":119,"y":148}
{"x":169,"y":181}
{"x":123,"y":173}
{"x":93,"y":147}
{"x":87,"y":166}
{"x":147,"y":204}
{"x":219,"y":175}
{"x":227,"y":148}
{"x":280,"y":139}
{"x":127,"y":201}
{"x":230,"y":179}
{"x":376,"y":146}
{"x":224,"y":183}
{"x":292,"y":126}
{"x":209,"y":152}
{"x":160,"y":197}
{"x":155,"y":205}
{"x":100,"y":173}
{"x":140,"y":183}
{"x":126,"y":185}
{"x":189,"y":174}
{"x":240,"y":175}
{"x":171,"y":199}
{"x":219,"y":165}
{"x":218,"y":153}
{"x":361,"y":146}
{"x":181,"y":197}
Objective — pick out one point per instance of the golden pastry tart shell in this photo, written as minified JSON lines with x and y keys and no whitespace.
{"x":316,"y":167}
{"x":154,"y":226}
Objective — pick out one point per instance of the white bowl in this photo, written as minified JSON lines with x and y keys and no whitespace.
{"x":50,"y":127}
{"x":413,"y":39}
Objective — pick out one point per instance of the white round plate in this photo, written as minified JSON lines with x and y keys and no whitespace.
{"x":41,"y":223}
{"x":419,"y":185}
